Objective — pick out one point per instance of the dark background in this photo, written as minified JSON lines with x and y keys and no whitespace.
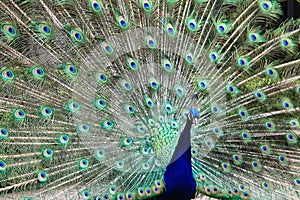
{"x":291,"y":9}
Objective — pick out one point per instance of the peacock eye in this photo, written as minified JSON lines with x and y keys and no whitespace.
{"x":214,"y":56}
{"x":42,"y":177}
{"x":266,"y":5}
{"x":45,"y":29}
{"x":77,"y":35}
{"x":83,"y":164}
{"x":2,"y":166}
{"x":19,"y":114}
{"x":122,"y":22}
{"x":7,"y":75}
{"x":132,"y":64}
{"x":192,"y":25}
{"x":151,"y":42}
{"x":10,"y":31}
{"x":107,"y":48}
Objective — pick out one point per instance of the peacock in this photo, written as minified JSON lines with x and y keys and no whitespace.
{"x":149,"y":99}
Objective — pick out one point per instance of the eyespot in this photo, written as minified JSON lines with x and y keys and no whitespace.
{"x":157,"y":163}
{"x":132,"y":64}
{"x":46,"y":112}
{"x":236,"y":191}
{"x":148,"y":191}
{"x":140,"y":128}
{"x":77,"y":35}
{"x":243,"y":62}
{"x":222,"y":28}
{"x":2,"y":166}
{"x":287,"y":104}
{"x":146,"y":5}
{"x":121,"y":196}
{"x":286,"y":42}
{"x":102,"y":78}
{"x":122,"y":22}
{"x":283,"y":160}
{"x":256,"y":166}
{"x":214,"y":56}
{"x":71,"y":70}
{"x":129,"y":108}
{"x":107,"y":48}
{"x":237,"y":159}
{"x":243,"y":114}
{"x":226,"y":167}
{"x":99,"y":154}
{"x":260,"y":95}
{"x":270,"y":125}
{"x":7,"y":75}
{"x":145,"y":166}
{"x":63,"y":139}
{"x":96,"y":6}
{"x":265,"y":149}
{"x":83,"y":128}
{"x":174,"y":124}
{"x":246,"y":137}
{"x":107,"y":197}
{"x":151,"y":42}
{"x":294,"y":123}
{"x":112,"y":189}
{"x":45,"y":30}
{"x":10,"y":31}
{"x":167,"y":65}
{"x":161,"y":119}
{"x":168,"y":108}
{"x":3,"y":133}
{"x":37,"y":72}
{"x":253,"y":37}
{"x":129,"y":196}
{"x":83,"y":164}
{"x":179,"y":90}
{"x":141,"y":192}
{"x":266,"y":5}
{"x":209,"y":143}
{"x":19,"y":114}
{"x":171,"y":31}
{"x":189,"y":58}
{"x":47,"y":153}
{"x":156,"y":190}
{"x":154,"y":84}
{"x":158,"y":183}
{"x":107,"y":124}
{"x":192,"y":25}
{"x":85,"y":194}
{"x":127,"y":142}
{"x":231,"y":89}
{"x":215,"y":109}
{"x":151,"y":122}
{"x":73,"y":106}
{"x":291,"y":138}
{"x":194,"y":152}
{"x":203,"y":84}
{"x":148,"y":101}
{"x":100,"y":103}
{"x":218,"y":131}
{"x":266,"y":185}
{"x":42,"y":177}
{"x":125,"y":85}
{"x":144,"y":151}
{"x":272,"y":73}
{"x":119,"y":165}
